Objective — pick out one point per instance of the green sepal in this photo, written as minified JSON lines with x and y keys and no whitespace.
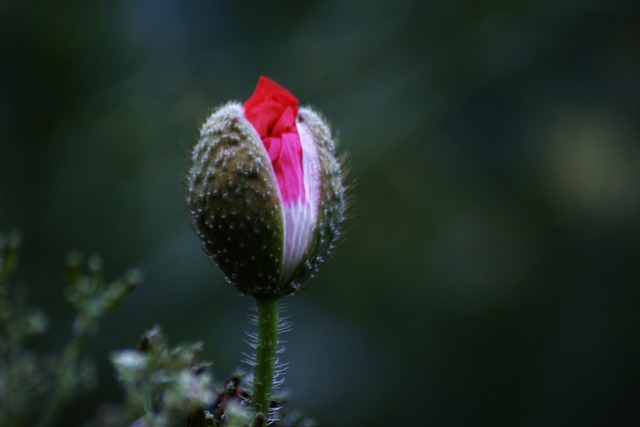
{"x":235,"y":203}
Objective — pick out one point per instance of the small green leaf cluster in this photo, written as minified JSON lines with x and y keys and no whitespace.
{"x":171,"y":387}
{"x":164,"y":385}
{"x":90,"y":294}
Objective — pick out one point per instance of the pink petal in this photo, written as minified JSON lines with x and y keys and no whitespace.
{"x":301,"y":215}
{"x":288,"y":169}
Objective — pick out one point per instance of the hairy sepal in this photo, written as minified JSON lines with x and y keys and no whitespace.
{"x":235,"y":203}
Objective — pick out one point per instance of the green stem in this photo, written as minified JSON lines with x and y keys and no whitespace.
{"x":61,"y":391}
{"x":265,"y":354}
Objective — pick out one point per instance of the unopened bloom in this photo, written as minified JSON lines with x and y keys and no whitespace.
{"x":266,"y":192}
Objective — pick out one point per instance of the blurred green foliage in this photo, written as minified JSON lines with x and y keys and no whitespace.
{"x":35,"y":385}
{"x":165,"y":385}
{"x":171,"y":386}
{"x":491,"y":273}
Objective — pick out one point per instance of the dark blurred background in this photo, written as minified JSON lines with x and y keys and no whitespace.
{"x":491,"y":276}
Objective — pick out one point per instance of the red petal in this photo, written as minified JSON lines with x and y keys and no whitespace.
{"x":268,"y":90}
{"x":272,"y":111}
{"x":263,"y":116}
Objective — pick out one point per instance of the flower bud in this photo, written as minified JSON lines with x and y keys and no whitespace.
{"x":266,"y":192}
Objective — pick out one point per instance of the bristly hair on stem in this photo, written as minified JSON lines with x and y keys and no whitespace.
{"x":268,"y":368}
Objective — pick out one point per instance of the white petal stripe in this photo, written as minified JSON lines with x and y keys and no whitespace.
{"x":300,"y":218}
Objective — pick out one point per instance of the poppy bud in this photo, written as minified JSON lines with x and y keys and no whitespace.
{"x":266,"y":192}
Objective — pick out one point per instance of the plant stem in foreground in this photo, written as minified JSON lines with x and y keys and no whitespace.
{"x":61,"y":391}
{"x":265,"y":354}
